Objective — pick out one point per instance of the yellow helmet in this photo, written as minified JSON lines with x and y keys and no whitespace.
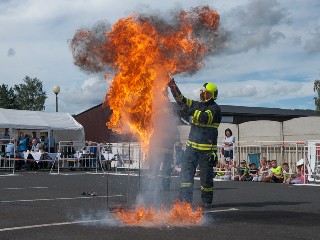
{"x":208,"y":91}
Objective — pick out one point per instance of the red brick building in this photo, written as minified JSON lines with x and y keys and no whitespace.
{"x":94,"y":122}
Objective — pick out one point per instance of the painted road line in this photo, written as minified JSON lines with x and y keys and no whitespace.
{"x":221,"y":210}
{"x":16,"y":188}
{"x":47,"y":225}
{"x":307,"y":185}
{"x":54,"y":199}
{"x":86,"y":221}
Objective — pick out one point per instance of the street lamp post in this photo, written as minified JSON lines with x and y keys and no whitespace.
{"x":56,"y":90}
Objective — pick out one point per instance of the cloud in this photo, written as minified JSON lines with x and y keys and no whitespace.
{"x":313,"y":44}
{"x":254,"y":26}
{"x":90,"y":93}
{"x":266,"y":59}
{"x":254,"y":92}
{"x":11,"y":52}
{"x":268,"y":91}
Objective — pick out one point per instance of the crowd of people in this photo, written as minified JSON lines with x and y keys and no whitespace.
{"x":268,"y":171}
{"x":26,"y":143}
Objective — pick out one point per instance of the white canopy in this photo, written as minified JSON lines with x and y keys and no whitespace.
{"x":64,"y":126}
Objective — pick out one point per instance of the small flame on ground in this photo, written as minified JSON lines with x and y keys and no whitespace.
{"x":181,"y":214}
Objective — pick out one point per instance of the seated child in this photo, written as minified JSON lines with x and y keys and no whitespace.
{"x":300,"y":176}
{"x":275,"y":175}
{"x":286,"y":173}
{"x":253,"y":174}
{"x":243,"y":172}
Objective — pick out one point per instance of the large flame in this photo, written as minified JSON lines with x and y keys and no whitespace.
{"x":139,"y":52}
{"x":181,"y":214}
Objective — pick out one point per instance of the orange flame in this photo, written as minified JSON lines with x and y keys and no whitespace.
{"x":141,"y":51}
{"x":181,"y":214}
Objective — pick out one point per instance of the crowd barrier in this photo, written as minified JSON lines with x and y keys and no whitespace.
{"x":8,"y":155}
{"x":98,"y":157}
{"x":284,"y":152}
{"x":74,"y":155}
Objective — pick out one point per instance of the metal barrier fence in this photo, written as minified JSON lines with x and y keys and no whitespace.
{"x":98,"y":157}
{"x":129,"y":156}
{"x":283,"y":152}
{"x":289,"y":152}
{"x":8,"y":155}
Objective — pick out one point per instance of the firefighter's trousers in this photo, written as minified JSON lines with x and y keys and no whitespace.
{"x":206,"y":161}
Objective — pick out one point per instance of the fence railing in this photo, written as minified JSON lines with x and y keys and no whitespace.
{"x":283,"y":152}
{"x":129,"y":156}
{"x":98,"y":157}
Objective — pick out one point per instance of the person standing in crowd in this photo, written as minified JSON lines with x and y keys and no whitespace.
{"x":34,"y":136}
{"x":50,"y":143}
{"x":4,"y":139}
{"x":202,"y":141}
{"x":10,"y":148}
{"x":228,"y":142}
{"x":22,"y":147}
{"x":22,"y":144}
{"x":28,"y":141}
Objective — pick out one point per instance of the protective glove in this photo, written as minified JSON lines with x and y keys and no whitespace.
{"x":172,"y":84}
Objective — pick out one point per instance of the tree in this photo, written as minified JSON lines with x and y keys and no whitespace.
{"x":316,"y":88}
{"x":30,"y":95}
{"x":7,"y":97}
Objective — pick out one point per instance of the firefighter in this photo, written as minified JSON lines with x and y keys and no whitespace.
{"x":202,"y":141}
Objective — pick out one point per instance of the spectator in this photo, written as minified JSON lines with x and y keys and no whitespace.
{"x":22,"y":144}
{"x":301,"y":173}
{"x":228,"y":142}
{"x":28,"y":141}
{"x":275,"y":175}
{"x":10,"y":148}
{"x":35,"y":145}
{"x":253,"y":174}
{"x":92,"y":147}
{"x":286,"y":173}
{"x":50,"y":143}
{"x":4,"y":136}
{"x":243,"y":172}
{"x":34,"y":136}
{"x":267,"y":170}
{"x":263,"y":170}
{"x":30,"y":162}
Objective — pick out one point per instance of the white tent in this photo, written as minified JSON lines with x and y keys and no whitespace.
{"x":63,"y":125}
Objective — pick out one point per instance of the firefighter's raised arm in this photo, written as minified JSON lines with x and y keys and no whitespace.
{"x":175,"y":90}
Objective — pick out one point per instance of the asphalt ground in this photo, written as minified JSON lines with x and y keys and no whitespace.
{"x":39,"y":205}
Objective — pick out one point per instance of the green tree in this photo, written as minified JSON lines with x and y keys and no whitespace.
{"x":30,"y":95}
{"x":316,"y":88}
{"x":7,"y":97}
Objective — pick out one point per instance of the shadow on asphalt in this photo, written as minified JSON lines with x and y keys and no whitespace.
{"x":285,"y":218}
{"x":260,"y":204}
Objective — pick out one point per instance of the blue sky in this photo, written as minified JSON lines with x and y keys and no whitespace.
{"x":271,"y":58}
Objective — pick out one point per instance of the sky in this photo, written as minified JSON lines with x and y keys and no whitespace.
{"x":270,"y":59}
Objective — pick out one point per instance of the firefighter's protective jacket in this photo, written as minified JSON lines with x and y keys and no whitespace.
{"x":206,"y":118}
